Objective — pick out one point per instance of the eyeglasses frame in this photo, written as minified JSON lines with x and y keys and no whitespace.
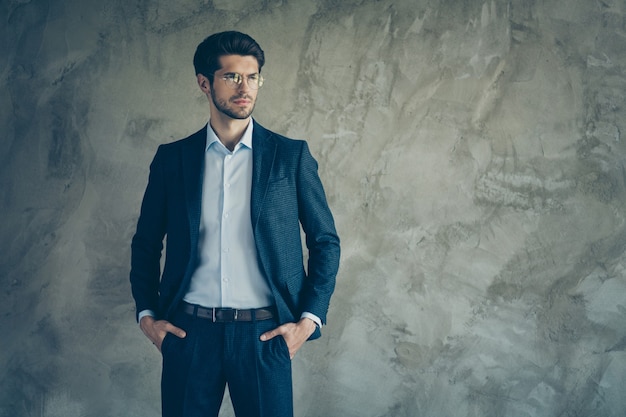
{"x":233,"y":75}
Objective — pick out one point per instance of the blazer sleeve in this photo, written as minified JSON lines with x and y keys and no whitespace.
{"x":147,"y":243}
{"x":322,"y":240}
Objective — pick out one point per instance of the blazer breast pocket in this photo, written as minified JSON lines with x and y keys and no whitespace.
{"x":278,"y":182}
{"x":281,"y":196}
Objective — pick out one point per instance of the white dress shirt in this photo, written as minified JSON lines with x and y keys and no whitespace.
{"x":228,"y":273}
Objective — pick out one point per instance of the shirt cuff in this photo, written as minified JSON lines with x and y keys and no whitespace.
{"x":313,"y":317}
{"x":144,"y":313}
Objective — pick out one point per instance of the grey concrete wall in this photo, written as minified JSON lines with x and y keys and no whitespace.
{"x":473,"y":155}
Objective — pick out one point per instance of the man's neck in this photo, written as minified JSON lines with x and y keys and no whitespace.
{"x":229,"y":131}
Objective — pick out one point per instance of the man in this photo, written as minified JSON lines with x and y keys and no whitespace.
{"x":234,"y":302}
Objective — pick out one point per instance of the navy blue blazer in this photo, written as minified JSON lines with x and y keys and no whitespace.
{"x":286,"y":193}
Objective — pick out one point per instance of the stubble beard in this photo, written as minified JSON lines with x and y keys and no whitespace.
{"x":223,"y":107}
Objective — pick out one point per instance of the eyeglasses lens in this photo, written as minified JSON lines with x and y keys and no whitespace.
{"x":255,"y":81}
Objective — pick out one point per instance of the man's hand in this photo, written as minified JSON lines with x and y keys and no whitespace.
{"x":295,"y":334}
{"x":155,"y":330}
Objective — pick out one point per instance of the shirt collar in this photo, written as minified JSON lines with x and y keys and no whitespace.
{"x":246,"y":139}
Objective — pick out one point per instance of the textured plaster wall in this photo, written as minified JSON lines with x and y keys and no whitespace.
{"x":472,"y":152}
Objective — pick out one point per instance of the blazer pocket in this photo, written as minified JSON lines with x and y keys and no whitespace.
{"x":294,"y":284}
{"x":294,"y":287}
{"x":279,"y":182}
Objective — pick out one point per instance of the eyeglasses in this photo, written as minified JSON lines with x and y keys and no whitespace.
{"x":234,"y":79}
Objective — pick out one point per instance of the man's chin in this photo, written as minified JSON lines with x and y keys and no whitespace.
{"x":239,"y":115}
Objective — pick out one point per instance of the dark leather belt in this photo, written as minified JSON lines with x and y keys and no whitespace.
{"x":228,"y":315}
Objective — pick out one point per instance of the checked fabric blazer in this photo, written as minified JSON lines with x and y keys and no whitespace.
{"x":286,"y":194}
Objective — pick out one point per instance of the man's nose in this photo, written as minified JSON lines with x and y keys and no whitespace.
{"x":243,"y":85}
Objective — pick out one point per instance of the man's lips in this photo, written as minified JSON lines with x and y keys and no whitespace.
{"x":241,"y":101}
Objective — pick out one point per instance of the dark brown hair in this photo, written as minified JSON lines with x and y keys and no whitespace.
{"x":206,"y":59}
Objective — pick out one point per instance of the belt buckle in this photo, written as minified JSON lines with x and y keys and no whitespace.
{"x":227,"y":315}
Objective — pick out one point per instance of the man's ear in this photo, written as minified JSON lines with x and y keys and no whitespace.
{"x":204,"y":84}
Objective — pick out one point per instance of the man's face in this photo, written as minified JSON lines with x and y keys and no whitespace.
{"x":236,"y":103}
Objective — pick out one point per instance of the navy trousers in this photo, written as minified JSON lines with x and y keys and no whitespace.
{"x":197,"y":368}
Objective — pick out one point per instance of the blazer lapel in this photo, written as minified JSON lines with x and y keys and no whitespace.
{"x":263,"y":153}
{"x":193,"y":172}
